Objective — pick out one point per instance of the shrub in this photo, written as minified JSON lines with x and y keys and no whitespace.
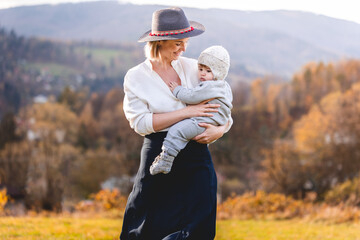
{"x":261,"y":205}
{"x":340,"y":213}
{"x":104,"y":200}
{"x":3,"y":200}
{"x":347,"y":192}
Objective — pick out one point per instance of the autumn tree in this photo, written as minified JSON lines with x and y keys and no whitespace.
{"x":325,"y":146}
{"x":8,"y":130}
{"x":285,"y":171}
{"x":94,"y":167}
{"x":90,"y":133}
{"x":14,"y":163}
{"x":329,"y":139}
{"x":75,"y":100}
{"x":52,"y":131}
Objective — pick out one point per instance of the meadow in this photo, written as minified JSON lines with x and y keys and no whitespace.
{"x":61,"y":228}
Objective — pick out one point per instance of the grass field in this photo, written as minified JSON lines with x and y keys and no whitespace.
{"x":105,"y":55}
{"x":54,"y":69}
{"x":81,"y":228}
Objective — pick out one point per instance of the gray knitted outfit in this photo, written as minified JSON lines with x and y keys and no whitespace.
{"x":179,"y":134}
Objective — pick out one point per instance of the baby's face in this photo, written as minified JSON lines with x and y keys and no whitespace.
{"x":205,"y":73}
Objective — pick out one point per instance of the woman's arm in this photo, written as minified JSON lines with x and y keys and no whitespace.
{"x":165,"y":120}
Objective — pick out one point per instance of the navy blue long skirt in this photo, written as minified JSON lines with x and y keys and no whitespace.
{"x":178,"y":205}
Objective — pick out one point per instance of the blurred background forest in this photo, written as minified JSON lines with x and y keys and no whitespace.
{"x":64,"y":136}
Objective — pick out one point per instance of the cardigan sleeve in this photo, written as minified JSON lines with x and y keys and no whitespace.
{"x":231,"y":121}
{"x":136,"y":109}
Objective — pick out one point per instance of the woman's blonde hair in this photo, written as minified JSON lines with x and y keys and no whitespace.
{"x":152,"y":49}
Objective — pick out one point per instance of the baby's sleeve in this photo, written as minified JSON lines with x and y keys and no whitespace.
{"x":204,"y":91}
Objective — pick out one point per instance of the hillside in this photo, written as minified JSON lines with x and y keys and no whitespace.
{"x":33,"y":68}
{"x":276,"y":42}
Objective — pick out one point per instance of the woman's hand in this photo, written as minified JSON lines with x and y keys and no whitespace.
{"x":210,"y":134}
{"x":202,"y":109}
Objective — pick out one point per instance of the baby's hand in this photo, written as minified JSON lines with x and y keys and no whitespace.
{"x":173,"y":85}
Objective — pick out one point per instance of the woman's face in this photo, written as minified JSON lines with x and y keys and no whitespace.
{"x":172,"y":49}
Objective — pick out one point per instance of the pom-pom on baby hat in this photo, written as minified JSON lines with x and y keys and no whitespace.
{"x":217,"y":59}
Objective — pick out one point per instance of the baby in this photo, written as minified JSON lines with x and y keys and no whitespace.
{"x":213,"y":67}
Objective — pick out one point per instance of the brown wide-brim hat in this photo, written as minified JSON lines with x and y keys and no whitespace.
{"x":171,"y":24}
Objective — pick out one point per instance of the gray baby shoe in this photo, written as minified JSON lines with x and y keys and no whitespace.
{"x":161,"y":164}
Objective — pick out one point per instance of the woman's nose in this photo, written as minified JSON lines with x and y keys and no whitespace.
{"x":183,"y":47}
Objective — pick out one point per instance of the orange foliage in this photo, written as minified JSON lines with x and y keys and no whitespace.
{"x":3,"y":199}
{"x":104,"y":200}
{"x":261,"y":205}
{"x":109,"y":199}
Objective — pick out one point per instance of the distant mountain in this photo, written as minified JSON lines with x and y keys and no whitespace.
{"x":266,"y":42}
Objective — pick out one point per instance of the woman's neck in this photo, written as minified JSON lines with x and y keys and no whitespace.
{"x":161,"y":63}
{"x":165,"y":70}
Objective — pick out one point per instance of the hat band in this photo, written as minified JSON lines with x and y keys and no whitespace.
{"x":172,"y":32}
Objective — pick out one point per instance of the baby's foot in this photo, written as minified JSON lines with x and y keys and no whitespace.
{"x":161,"y":164}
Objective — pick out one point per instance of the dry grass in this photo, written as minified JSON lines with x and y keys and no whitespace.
{"x":61,"y":228}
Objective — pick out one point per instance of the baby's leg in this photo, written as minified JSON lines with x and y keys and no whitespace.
{"x":180,"y":134}
{"x":176,"y":139}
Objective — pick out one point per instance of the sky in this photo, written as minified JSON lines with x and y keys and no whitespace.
{"x":341,"y":9}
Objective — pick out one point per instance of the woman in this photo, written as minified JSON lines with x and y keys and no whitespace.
{"x":181,"y":204}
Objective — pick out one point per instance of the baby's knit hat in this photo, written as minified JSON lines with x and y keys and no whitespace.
{"x":217,"y":59}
